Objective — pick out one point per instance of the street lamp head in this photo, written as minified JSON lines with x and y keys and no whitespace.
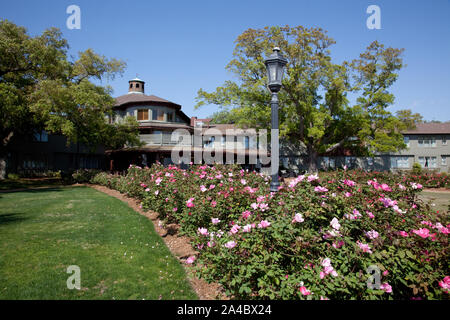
{"x":275,"y":69}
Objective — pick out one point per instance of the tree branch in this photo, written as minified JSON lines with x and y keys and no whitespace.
{"x":334,"y":146}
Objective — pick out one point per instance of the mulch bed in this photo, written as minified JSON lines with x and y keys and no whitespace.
{"x":179,"y":245}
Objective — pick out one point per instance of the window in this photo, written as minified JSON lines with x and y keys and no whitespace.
{"x":406,"y":141}
{"x":247,"y":142}
{"x":350,"y":162}
{"x":427,"y":142}
{"x":400,"y":162}
{"x":428,"y":162}
{"x":131,"y":85}
{"x":328,"y":162}
{"x":41,"y":136}
{"x":209,"y":143}
{"x":112,"y":118}
{"x":137,"y":85}
{"x":444,"y":141}
{"x":170,"y":116}
{"x":35,"y":161}
{"x":444,"y":160}
{"x":142,"y":114}
{"x":160,"y":115}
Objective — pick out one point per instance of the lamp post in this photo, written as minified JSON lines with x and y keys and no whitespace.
{"x":275,"y":69}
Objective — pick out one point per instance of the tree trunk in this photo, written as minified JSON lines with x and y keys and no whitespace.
{"x":312,"y":160}
{"x":4,"y":154}
{"x":2,"y":167}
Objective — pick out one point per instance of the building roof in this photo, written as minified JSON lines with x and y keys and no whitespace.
{"x":130,"y":98}
{"x":430,"y":128}
{"x":136,"y":79}
{"x":140,"y":98}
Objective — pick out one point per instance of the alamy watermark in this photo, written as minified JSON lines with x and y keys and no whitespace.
{"x":374,"y":280}
{"x":212,"y":146}
{"x":74,"y":20}
{"x":74,"y":281}
{"x":374,"y":20}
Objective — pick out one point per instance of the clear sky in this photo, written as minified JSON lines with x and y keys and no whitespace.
{"x":178,"y":47}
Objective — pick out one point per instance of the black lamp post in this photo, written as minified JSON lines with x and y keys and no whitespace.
{"x":275,"y":70}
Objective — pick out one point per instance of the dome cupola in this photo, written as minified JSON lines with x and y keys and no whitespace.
{"x":136,"y":86}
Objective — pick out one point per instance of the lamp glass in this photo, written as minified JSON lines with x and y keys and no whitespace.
{"x":272,"y":72}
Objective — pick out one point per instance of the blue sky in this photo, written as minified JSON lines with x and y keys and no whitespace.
{"x":178,"y":47}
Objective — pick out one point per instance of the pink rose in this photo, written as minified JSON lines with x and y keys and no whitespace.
{"x":235,"y":229}
{"x":423,"y":232}
{"x":203,"y":231}
{"x":386,"y":287}
{"x":364,"y":247}
{"x":304,"y":291}
{"x":230,"y":244}
{"x":298,"y":218}
{"x":320,"y":189}
{"x":263,"y":224}
{"x":246,"y":214}
{"x":190,"y":260}
{"x":445,"y":284}
{"x":190,"y":203}
{"x":372,"y":234}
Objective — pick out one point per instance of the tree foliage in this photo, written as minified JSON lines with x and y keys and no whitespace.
{"x":314,"y":104}
{"x":41,"y":87}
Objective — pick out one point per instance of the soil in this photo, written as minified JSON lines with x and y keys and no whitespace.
{"x":179,"y":246}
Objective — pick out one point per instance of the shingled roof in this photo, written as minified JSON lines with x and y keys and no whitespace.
{"x":143,"y":98}
{"x":430,"y":128}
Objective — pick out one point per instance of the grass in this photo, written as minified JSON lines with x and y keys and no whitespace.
{"x":23,"y":183}
{"x":44,"y":231}
{"x":441,"y":200}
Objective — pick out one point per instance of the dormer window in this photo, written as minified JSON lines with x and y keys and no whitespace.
{"x":142,"y":114}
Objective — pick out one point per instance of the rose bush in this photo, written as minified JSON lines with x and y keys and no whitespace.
{"x":316,"y":238}
{"x":427,"y":179}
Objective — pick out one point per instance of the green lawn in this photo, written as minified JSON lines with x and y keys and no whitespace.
{"x":43,"y":231}
{"x":9,"y":184}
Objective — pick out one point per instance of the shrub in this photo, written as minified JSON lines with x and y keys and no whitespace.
{"x":315,"y":238}
{"x":84,"y":175}
{"x":416,"y":168}
{"x":13,"y":176}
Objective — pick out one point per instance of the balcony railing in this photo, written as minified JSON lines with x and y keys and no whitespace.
{"x":163,"y":139}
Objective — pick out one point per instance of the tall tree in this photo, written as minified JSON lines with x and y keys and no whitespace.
{"x":314,"y":108}
{"x":42,"y":88}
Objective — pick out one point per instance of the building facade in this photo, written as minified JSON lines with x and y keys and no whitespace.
{"x":428,"y":144}
{"x":158,"y":118}
{"x":39,"y":153}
